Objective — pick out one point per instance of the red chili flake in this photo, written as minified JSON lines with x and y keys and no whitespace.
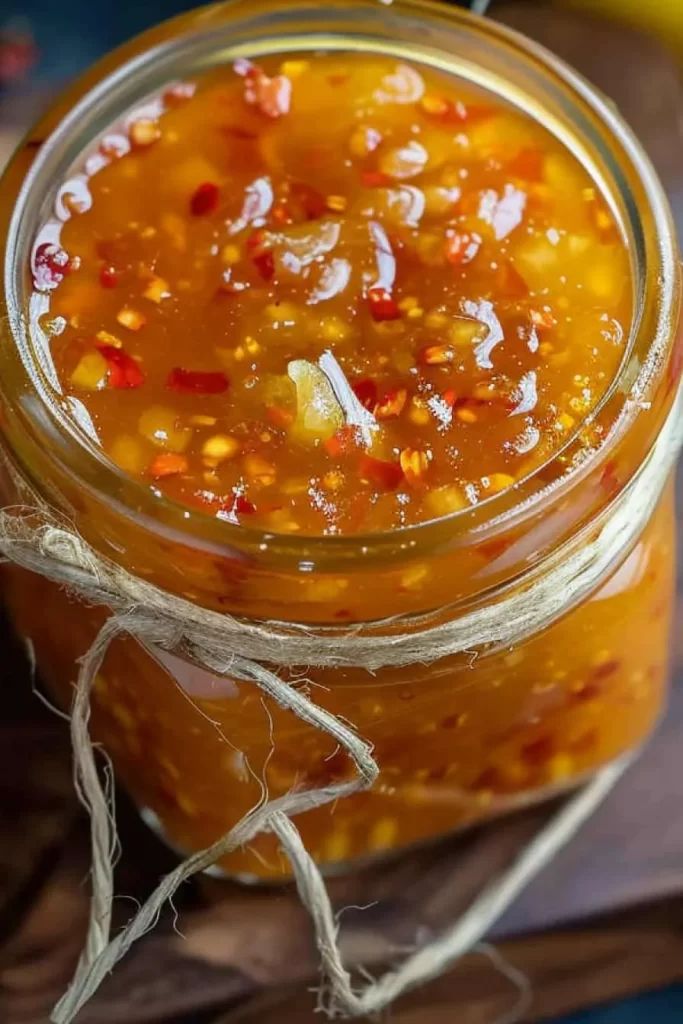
{"x":450,"y":397}
{"x":509,"y":282}
{"x":452,"y":721}
{"x":606,"y":669}
{"x":539,"y":751}
{"x":585,"y":692}
{"x":461,"y":247}
{"x":338,"y":79}
{"x":382,"y":305}
{"x":51,"y":264}
{"x":527,"y":164}
{"x":242,"y":506}
{"x":260,"y":255}
{"x":387,"y":475}
{"x":391,"y":404}
{"x":256,"y":241}
{"x":227,"y":509}
{"x":312,"y":203}
{"x":265,"y":264}
{"x":436,"y":355}
{"x":366,"y":393}
{"x":200,"y":382}
{"x":489,"y":780}
{"x":478,"y":112}
{"x":375,"y":179}
{"x":109,"y":276}
{"x":124,"y":371}
{"x":465,"y":402}
{"x":205,"y":199}
{"x":278,"y":416}
{"x":229,"y":288}
{"x":493,"y":549}
{"x":344,"y":441}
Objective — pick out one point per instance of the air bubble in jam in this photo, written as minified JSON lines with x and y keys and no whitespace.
{"x":371,"y":284}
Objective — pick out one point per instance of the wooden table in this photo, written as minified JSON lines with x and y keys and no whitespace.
{"x":605,"y":920}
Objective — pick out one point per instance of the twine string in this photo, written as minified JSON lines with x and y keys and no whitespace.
{"x":35,"y":538}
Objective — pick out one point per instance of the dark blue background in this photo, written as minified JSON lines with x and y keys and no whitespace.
{"x":70,"y":34}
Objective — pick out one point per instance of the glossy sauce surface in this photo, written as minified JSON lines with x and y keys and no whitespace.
{"x":332,"y":294}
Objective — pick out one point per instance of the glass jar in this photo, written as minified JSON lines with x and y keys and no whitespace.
{"x":459,"y":739}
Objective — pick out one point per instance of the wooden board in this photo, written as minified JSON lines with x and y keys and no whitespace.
{"x":245,"y":955}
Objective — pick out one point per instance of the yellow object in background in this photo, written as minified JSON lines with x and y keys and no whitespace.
{"x":663,"y":18}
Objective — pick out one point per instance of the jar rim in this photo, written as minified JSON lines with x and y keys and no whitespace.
{"x":124,"y":78}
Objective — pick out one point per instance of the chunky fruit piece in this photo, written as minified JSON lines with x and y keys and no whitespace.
{"x":164,"y":428}
{"x":131,"y":319}
{"x":91,"y":372}
{"x":414,"y":464}
{"x":318,"y":412}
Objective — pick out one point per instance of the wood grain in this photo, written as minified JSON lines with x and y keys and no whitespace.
{"x":611,"y":958}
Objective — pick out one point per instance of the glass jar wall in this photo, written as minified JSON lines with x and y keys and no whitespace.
{"x":458,"y":740}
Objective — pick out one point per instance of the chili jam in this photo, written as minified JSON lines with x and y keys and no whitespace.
{"x":333,"y":294}
{"x":339,"y":295}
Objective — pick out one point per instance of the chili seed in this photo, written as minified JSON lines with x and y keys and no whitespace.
{"x":168,"y":464}
{"x":131,"y":319}
{"x":144,"y":132}
{"x":220,"y":447}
